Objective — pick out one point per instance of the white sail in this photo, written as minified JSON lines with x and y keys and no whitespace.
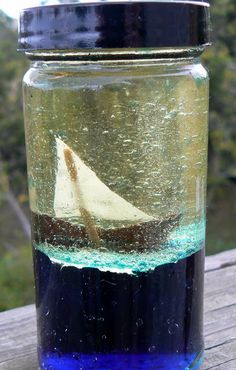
{"x":92,"y":195}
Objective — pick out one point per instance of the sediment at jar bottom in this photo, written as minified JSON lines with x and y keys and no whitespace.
{"x":143,"y":236}
{"x":91,"y":319}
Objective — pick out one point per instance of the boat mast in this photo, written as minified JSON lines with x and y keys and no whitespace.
{"x":87,"y":219}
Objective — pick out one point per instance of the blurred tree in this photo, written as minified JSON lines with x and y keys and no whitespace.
{"x":221,"y":61}
{"x":16,"y":278}
{"x":12,"y":67}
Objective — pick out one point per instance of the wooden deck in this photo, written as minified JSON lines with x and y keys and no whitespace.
{"x":18,"y":326}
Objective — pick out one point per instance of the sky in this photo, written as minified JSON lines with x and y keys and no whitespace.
{"x":12,"y":7}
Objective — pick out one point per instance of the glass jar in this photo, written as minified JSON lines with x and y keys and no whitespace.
{"x":116,"y":140}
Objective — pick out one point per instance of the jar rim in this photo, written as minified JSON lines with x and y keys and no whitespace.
{"x":115,"y":25}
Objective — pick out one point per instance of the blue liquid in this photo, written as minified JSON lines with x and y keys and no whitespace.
{"x":118,"y":362}
{"x":92,"y":319}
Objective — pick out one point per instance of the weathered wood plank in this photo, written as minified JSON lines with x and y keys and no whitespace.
{"x":18,"y":339}
{"x":24,"y":362}
{"x":220,"y":288}
{"x":221,"y":260}
{"x":220,"y":320}
{"x":218,"y":338}
{"x":221,"y":356}
{"x":18,"y":326}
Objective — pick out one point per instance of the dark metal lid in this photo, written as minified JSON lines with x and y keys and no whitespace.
{"x":112,"y":25}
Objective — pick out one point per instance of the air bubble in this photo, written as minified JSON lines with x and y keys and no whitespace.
{"x":139,"y":322}
{"x":151,"y":349}
{"x":173,"y":328}
{"x":76,"y":356}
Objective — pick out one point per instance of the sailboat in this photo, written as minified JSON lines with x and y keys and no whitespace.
{"x":81,"y":195}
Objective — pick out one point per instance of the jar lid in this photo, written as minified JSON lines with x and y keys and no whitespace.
{"x":114,"y":25}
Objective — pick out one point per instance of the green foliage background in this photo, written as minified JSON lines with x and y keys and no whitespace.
{"x":16,"y":281}
{"x":221,"y":62}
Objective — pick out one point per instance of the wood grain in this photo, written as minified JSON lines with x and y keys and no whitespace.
{"x":221,"y":260}
{"x":18,"y":339}
{"x":18,"y":326}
